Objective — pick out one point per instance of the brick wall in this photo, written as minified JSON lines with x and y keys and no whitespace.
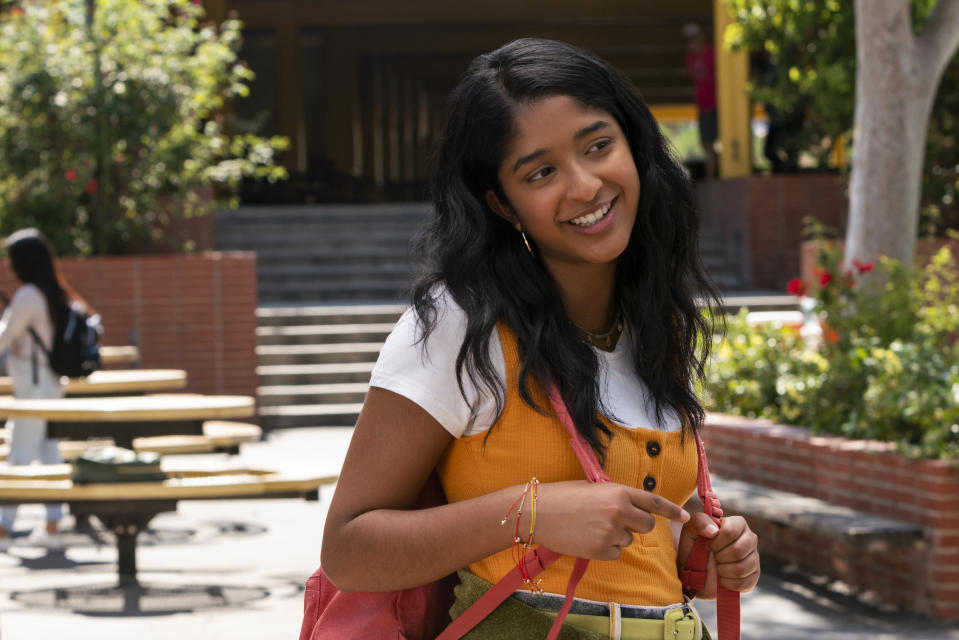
{"x":192,"y":312}
{"x":767,"y":212}
{"x":864,"y":475}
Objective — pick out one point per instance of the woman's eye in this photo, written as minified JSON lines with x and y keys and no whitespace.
{"x":540,"y":174}
{"x":599,"y":146}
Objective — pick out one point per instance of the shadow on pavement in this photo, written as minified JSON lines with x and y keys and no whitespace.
{"x":139,"y":600}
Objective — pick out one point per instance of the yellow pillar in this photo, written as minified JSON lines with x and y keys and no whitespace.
{"x":732,"y":103}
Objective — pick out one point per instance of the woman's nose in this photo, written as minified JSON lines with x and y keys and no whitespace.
{"x":583,"y":184}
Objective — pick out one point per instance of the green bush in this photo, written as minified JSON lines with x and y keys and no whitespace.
{"x":112,"y":117}
{"x":886,"y":366}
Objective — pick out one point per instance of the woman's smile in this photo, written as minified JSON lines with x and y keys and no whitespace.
{"x":597,"y":220}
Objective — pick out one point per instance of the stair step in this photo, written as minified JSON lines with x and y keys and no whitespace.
{"x":319,"y":353}
{"x":343,"y":254}
{"x":373,"y":284}
{"x":335,"y":297}
{"x":269,"y":215}
{"x":356,"y":229}
{"x":320,"y":239}
{"x":328,"y":314}
{"x":323,"y":334}
{"x":338,"y":283}
{"x":309,"y":374}
{"x":339,"y":270}
{"x":317,"y":415}
{"x":314,"y":394}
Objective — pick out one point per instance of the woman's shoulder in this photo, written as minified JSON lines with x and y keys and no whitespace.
{"x":421,"y":364}
{"x":28,"y":295}
{"x":442,"y":326}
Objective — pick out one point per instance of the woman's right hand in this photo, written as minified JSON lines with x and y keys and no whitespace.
{"x":595,"y":520}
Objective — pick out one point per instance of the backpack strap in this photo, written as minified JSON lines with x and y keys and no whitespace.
{"x":33,"y":355}
{"x":693,"y":573}
{"x":36,"y":338}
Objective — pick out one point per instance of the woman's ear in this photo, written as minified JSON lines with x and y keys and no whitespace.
{"x":504,"y":211}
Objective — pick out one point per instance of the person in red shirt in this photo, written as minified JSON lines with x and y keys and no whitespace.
{"x":700,"y":62}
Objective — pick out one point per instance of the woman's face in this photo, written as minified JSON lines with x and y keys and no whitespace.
{"x":570,"y":183}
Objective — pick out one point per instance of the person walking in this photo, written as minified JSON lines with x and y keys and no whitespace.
{"x":701,"y":64}
{"x":561,"y":254}
{"x":37,"y":308}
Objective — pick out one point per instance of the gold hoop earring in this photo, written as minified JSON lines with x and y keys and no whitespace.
{"x":526,"y":242}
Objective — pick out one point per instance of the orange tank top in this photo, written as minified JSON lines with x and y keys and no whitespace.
{"x":524,"y":443}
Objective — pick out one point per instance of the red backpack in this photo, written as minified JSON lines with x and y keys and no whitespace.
{"x":422,"y":613}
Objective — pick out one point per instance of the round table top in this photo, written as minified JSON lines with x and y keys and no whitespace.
{"x":234,"y":483}
{"x":118,"y":381}
{"x":130,"y":408}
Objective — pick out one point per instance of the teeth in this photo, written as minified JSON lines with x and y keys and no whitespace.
{"x":591,"y":218}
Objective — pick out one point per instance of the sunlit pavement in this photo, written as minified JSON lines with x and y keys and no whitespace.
{"x":233,"y":570}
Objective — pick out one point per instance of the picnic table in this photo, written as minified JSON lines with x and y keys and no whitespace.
{"x":124,"y":418}
{"x":126,"y":508}
{"x":126,"y":354}
{"x":115,"y":382}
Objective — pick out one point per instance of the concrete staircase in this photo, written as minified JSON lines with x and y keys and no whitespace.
{"x":331,"y":282}
{"x":315,"y":361}
{"x":325,"y":253}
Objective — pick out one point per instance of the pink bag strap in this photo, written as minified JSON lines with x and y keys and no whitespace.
{"x":538,"y":559}
{"x":693,"y":573}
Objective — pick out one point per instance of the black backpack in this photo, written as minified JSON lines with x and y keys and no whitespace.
{"x":76,"y":345}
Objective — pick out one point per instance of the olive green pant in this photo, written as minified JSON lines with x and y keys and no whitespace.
{"x":514,"y":619}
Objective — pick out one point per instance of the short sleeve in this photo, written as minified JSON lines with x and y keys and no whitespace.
{"x":425,"y":371}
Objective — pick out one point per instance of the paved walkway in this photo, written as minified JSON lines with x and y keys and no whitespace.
{"x":233,"y":570}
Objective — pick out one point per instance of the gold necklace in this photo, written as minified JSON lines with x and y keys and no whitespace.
{"x":603,"y":340}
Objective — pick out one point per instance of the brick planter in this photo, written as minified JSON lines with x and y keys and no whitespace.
{"x":192,"y":312}
{"x":865,"y":475}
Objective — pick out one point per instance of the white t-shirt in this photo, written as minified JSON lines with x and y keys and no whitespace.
{"x":427,"y":376}
{"x":27,"y":308}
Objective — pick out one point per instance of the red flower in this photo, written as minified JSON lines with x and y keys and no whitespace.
{"x":91,"y":186}
{"x":70,"y":175}
{"x":829,"y":334}
{"x":863,"y":267}
{"x":16,"y":11}
{"x":825,"y":279}
{"x":796,"y":287}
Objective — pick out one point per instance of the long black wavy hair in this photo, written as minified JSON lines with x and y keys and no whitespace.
{"x":482,"y":262}
{"x":32,"y":260}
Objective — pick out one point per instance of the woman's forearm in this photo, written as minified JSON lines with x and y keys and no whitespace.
{"x":388,"y":549}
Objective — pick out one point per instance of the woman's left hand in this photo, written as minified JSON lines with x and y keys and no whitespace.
{"x":733,"y":552}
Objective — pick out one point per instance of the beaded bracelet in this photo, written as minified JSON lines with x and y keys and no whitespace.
{"x":520,"y":548}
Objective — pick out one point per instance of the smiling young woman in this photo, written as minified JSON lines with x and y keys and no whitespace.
{"x":561,"y":253}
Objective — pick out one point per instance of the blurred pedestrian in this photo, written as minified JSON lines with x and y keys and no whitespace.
{"x":39,"y":305}
{"x":701,"y":64}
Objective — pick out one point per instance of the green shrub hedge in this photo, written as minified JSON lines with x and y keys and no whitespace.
{"x":886,"y":366}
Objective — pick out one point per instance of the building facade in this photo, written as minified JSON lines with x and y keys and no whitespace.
{"x":358,"y":86}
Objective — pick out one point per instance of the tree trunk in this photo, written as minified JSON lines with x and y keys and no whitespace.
{"x":897,"y":75}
